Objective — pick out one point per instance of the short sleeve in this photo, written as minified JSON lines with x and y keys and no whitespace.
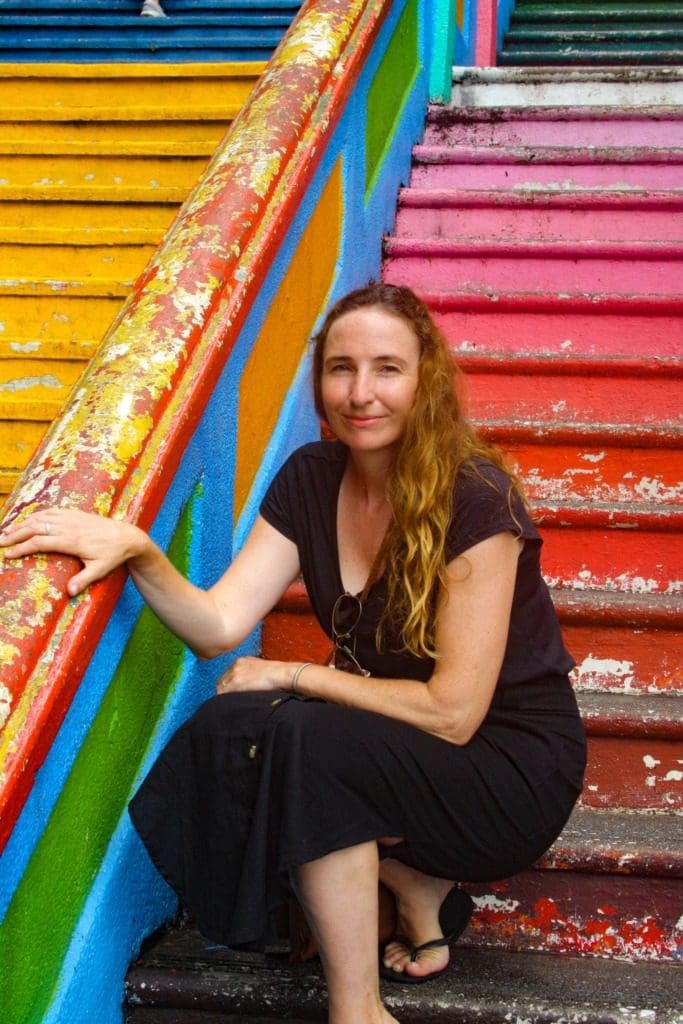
{"x":484,"y":506}
{"x":278,"y":505}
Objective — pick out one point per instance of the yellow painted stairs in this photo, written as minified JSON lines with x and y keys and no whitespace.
{"x":95,"y":160}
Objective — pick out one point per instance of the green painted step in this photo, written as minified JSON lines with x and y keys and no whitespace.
{"x":594,"y":32}
{"x":627,"y":54}
{"x":581,"y":32}
{"x":590,"y":10}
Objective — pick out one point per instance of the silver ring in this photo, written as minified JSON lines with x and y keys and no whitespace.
{"x":46,"y":528}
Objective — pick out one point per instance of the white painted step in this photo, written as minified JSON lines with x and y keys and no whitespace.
{"x":548,"y":87}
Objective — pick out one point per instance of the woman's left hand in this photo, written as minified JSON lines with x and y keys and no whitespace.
{"x":256,"y":674}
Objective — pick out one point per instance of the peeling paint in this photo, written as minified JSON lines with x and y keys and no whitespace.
{"x":25,"y":383}
{"x":494,"y":905}
{"x":28,"y":346}
{"x":605,"y":668}
{"x":5,"y":704}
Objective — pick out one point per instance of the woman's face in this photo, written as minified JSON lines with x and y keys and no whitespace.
{"x":369,"y":378}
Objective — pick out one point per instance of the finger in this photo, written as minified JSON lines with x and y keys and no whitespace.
{"x":34,"y":546}
{"x":91,"y":573}
{"x":32,"y":526}
{"x":76,"y":585}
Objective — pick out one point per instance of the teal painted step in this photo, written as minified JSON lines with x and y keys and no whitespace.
{"x":580,"y":32}
{"x":112,"y":30}
{"x":590,"y":10}
{"x":577,"y":55}
{"x":593,"y":33}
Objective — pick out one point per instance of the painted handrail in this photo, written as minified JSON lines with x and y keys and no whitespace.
{"x":116,"y":449}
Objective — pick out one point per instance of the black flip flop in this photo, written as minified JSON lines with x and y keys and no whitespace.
{"x":454,"y":916}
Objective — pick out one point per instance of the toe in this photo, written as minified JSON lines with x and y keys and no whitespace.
{"x":431,"y":961}
{"x":395,"y":955}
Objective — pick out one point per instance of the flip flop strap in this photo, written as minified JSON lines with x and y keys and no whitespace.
{"x":432,"y":944}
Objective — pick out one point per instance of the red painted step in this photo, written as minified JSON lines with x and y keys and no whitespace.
{"x":604,"y":889}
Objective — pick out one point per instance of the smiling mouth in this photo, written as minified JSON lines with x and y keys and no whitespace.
{"x":362,"y":421}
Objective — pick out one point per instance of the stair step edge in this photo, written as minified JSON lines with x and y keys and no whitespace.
{"x":550,"y":198}
{"x":447,"y":117}
{"x":572,"y":432}
{"x":475,"y":300}
{"x":479,"y":248}
{"x":657,"y":716}
{"x":618,"y":841}
{"x":570,"y":365}
{"x":534,"y":155}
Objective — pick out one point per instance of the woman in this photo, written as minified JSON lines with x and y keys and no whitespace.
{"x":445,"y":746}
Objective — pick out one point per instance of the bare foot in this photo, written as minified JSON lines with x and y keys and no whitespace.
{"x":418,"y":901}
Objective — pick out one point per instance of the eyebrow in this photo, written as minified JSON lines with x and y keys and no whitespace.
{"x":375,"y":359}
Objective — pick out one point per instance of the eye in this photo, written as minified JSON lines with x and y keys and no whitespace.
{"x":338,"y":368}
{"x":387,"y":369}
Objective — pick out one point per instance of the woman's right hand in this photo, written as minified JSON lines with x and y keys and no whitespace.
{"x":101,"y":544}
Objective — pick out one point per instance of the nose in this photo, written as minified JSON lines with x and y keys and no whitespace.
{"x":362,"y":391}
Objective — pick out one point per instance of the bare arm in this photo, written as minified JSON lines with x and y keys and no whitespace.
{"x":210,"y":622}
{"x":471,"y":634}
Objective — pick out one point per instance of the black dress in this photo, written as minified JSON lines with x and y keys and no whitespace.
{"x":255,"y":784}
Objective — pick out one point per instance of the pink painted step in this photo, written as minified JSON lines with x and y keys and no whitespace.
{"x":444,"y":168}
{"x":425,"y":214}
{"x":543,"y":266}
{"x":558,"y":126}
{"x":560,"y":324}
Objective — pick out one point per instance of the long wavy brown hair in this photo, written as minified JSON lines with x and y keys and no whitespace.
{"x":438,"y":444}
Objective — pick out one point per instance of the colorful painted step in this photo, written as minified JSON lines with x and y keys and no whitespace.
{"x":185,"y":979}
{"x":96,"y":161}
{"x":91,"y":30}
{"x":570,"y":33}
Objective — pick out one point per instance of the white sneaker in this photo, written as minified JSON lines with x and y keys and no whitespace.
{"x":152,"y":9}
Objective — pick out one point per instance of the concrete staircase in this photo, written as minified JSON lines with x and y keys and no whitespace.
{"x":643,"y":32}
{"x":112,"y":30}
{"x":548,"y":240}
{"x":95,"y":163}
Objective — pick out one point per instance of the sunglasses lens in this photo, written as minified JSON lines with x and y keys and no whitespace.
{"x":346,"y":613}
{"x":345,"y":661}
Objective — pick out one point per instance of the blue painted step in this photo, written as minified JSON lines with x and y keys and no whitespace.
{"x":112,"y":30}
